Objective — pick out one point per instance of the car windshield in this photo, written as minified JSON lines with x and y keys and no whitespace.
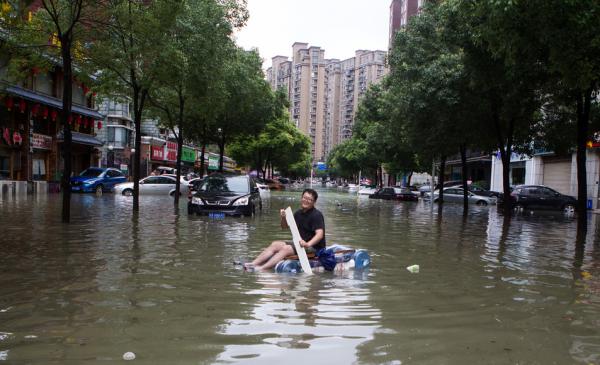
{"x":224,"y":184}
{"x":91,"y":172}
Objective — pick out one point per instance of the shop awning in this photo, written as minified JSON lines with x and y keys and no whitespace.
{"x":81,"y":138}
{"x":51,"y":101}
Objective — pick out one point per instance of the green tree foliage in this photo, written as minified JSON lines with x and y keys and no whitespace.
{"x":128,"y":53}
{"x":280,"y":146}
{"x":191,"y":69}
{"x":246,"y":104}
{"x":562,"y":40}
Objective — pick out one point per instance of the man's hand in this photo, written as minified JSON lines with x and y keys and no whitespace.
{"x":303,"y":243}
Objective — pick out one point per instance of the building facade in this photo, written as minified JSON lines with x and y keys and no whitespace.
{"x":324,"y":93}
{"x":400,"y":13}
{"x":32,"y":134}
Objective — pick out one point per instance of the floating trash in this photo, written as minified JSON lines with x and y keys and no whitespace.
{"x":129,"y":356}
{"x":413,"y":269}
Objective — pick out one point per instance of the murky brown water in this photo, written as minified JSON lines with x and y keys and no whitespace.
{"x":164,"y":287}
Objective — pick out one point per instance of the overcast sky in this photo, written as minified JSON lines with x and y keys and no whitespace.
{"x":338,"y":26}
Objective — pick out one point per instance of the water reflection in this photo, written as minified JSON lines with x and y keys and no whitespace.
{"x":326,"y":314}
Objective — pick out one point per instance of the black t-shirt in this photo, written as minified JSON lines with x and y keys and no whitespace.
{"x":308,"y":223}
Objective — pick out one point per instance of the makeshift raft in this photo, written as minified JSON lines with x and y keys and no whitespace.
{"x":346,"y":258}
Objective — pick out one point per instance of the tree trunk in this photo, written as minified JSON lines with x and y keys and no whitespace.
{"x":463,"y":161}
{"x":583,"y":115}
{"x":221,"y":150}
{"x":202,"y":159}
{"x":178,"y":165}
{"x":441,"y":182}
{"x":67,"y":99}
{"x":179,"y":147}
{"x":137,"y":119}
{"x":408,"y":181}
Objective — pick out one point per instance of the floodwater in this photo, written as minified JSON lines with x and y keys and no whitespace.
{"x":163,"y":286}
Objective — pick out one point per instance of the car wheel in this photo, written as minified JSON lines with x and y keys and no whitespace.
{"x":482,"y":203}
{"x":569,"y":209}
{"x":127,"y":192}
{"x":98,"y":190}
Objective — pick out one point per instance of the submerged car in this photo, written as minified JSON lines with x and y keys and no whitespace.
{"x":394,"y":194}
{"x":97,"y":180}
{"x":152,"y":185}
{"x":540,"y":197}
{"x":456,"y":195}
{"x":225,"y":194}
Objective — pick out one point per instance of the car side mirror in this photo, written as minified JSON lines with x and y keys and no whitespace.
{"x":142,"y":183}
{"x":556,"y":194}
{"x":255,"y":190}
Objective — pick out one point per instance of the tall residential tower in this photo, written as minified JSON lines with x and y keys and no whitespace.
{"x":324,"y":93}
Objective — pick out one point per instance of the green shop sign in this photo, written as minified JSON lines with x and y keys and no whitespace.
{"x":188,"y":155}
{"x":213,"y":162}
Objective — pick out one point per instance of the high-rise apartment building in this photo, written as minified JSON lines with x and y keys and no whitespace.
{"x":324,"y":93}
{"x":400,"y":12}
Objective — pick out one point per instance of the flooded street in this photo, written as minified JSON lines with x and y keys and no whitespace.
{"x":163,"y":286}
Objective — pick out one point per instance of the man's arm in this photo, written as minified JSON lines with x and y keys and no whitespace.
{"x":313,"y":241}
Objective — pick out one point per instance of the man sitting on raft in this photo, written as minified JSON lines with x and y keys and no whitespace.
{"x":311,"y":226}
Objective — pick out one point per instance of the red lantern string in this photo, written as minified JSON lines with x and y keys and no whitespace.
{"x":22,"y":105}
{"x":53,"y":115}
{"x":9,"y":103}
{"x":45,"y":113}
{"x":35,"y":109}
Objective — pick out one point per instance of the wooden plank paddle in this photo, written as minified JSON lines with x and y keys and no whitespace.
{"x":291,"y":222}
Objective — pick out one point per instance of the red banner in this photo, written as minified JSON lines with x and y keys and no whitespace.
{"x":171,"y":151}
{"x":158,"y":153}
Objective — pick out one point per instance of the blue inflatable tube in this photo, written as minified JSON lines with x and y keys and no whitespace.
{"x":346,"y":259}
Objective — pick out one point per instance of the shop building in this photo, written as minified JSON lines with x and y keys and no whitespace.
{"x":31,"y":132}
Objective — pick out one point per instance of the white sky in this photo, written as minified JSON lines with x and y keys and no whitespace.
{"x":340,"y":27}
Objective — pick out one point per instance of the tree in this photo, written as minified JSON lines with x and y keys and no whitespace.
{"x":129,"y":53}
{"x":247,"y":101}
{"x":563,"y":39}
{"x":199,"y":44}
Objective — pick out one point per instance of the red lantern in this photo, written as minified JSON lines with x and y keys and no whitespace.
{"x":35,"y":70}
{"x":35,"y":109}
{"x":22,"y":105}
{"x":85,"y":89}
{"x":45,"y":113}
{"x":53,"y":115}
{"x":99,"y":125}
{"x":9,"y":103}
{"x":78,"y":121}
{"x":70,"y":119}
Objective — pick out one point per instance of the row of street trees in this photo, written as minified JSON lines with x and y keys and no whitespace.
{"x":173,"y":59}
{"x":502,"y":75}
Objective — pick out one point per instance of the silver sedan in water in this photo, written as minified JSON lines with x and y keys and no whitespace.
{"x":455,"y":195}
{"x":152,"y":185}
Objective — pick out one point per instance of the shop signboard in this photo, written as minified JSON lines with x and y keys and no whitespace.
{"x":213,"y":162}
{"x":41,"y":141}
{"x":158,"y":153}
{"x":171,"y":151}
{"x":188,"y":154}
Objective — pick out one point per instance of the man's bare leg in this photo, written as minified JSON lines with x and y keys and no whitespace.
{"x":268,"y":252}
{"x":285,"y":251}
